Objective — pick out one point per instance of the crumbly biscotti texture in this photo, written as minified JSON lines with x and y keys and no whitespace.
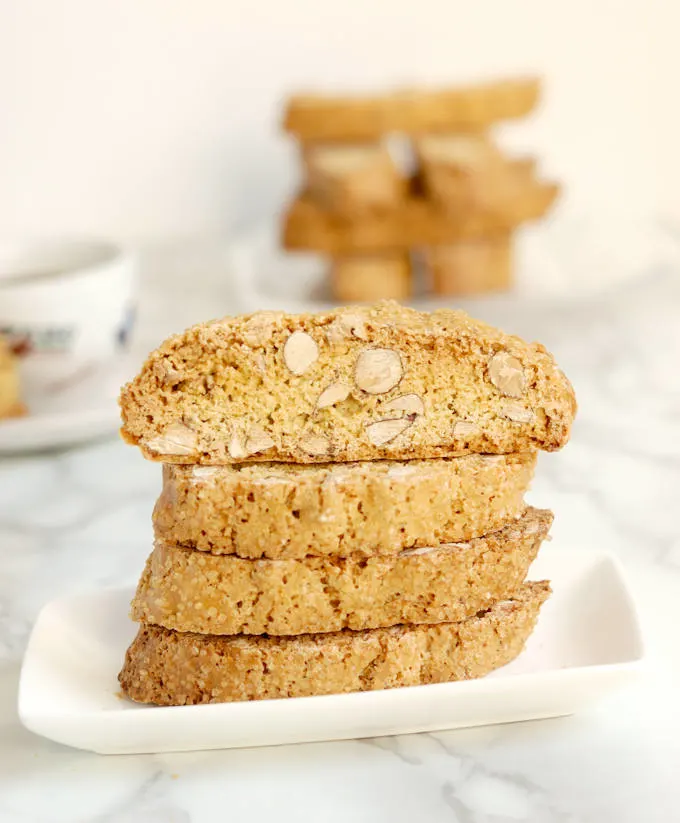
{"x":324,"y":118}
{"x":358,"y":383}
{"x":283,"y":510}
{"x":10,"y":404}
{"x":191,"y":591}
{"x":170,"y":668}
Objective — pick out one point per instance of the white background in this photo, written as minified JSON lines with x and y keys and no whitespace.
{"x":156,"y":118}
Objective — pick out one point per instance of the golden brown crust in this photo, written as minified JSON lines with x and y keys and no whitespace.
{"x":191,"y":591}
{"x":323,"y":118}
{"x":286,"y":511}
{"x":406,"y":385}
{"x":419,"y":222}
{"x":168,"y":668}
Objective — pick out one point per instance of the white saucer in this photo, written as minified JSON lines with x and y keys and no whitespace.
{"x":586,"y":644}
{"x":66,"y":415}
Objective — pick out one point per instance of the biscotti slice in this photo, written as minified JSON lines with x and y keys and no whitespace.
{"x":326,"y":118}
{"x":283,"y":510}
{"x":460,"y":171}
{"x":353,"y":178}
{"x":10,"y":402}
{"x":173,"y":669}
{"x":471,"y":266}
{"x":373,"y":383}
{"x":192,"y":591}
{"x":371,"y":277}
{"x":419,"y":221}
{"x":464,"y":173}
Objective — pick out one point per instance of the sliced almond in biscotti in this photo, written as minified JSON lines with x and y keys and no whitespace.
{"x":315,"y":445}
{"x":175,"y":439}
{"x":359,"y":383}
{"x":410,"y":403}
{"x":378,"y":370}
{"x":335,"y":393}
{"x":383,"y":431}
{"x":299,"y":352}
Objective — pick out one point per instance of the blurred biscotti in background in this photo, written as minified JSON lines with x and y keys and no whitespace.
{"x":471,"y":266}
{"x":453,"y":207}
{"x":353,"y":178}
{"x":320,"y":118}
{"x":369,"y":277}
{"x":10,"y":397}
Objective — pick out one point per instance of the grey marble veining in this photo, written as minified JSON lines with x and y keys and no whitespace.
{"x":81,"y":519}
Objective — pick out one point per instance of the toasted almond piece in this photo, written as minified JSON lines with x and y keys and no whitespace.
{"x":258,"y":329}
{"x":516,"y":412}
{"x":443,"y":547}
{"x":258,"y":441}
{"x":205,"y":472}
{"x":383,"y":431}
{"x":237,"y":448}
{"x":260,"y":362}
{"x":464,"y":428}
{"x":166,"y":373}
{"x":493,"y":459}
{"x":315,"y":444}
{"x":335,"y":393}
{"x":377,"y":371}
{"x":507,"y":374}
{"x":411,"y":403}
{"x":344,"y":326}
{"x":177,"y":439}
{"x":299,"y":352}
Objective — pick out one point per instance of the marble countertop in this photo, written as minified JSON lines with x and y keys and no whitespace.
{"x":80,"y":519}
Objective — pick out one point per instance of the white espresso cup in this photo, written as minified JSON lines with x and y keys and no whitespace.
{"x":66,"y":306}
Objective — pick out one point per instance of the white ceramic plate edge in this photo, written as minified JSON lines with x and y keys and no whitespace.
{"x":500,"y":698}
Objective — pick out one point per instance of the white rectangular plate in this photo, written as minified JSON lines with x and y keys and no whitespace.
{"x":586,"y":644}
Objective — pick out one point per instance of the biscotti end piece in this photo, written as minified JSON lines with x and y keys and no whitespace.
{"x":288,"y":511}
{"x":191,"y":591}
{"x":467,"y":173}
{"x":471,"y":266}
{"x":10,"y":402}
{"x":250,"y":389}
{"x":353,"y":179}
{"x":172,"y":669}
{"x":369,"y":277}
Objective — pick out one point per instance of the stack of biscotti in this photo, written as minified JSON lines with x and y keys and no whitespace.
{"x":342,"y":505}
{"x":453,"y":204}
